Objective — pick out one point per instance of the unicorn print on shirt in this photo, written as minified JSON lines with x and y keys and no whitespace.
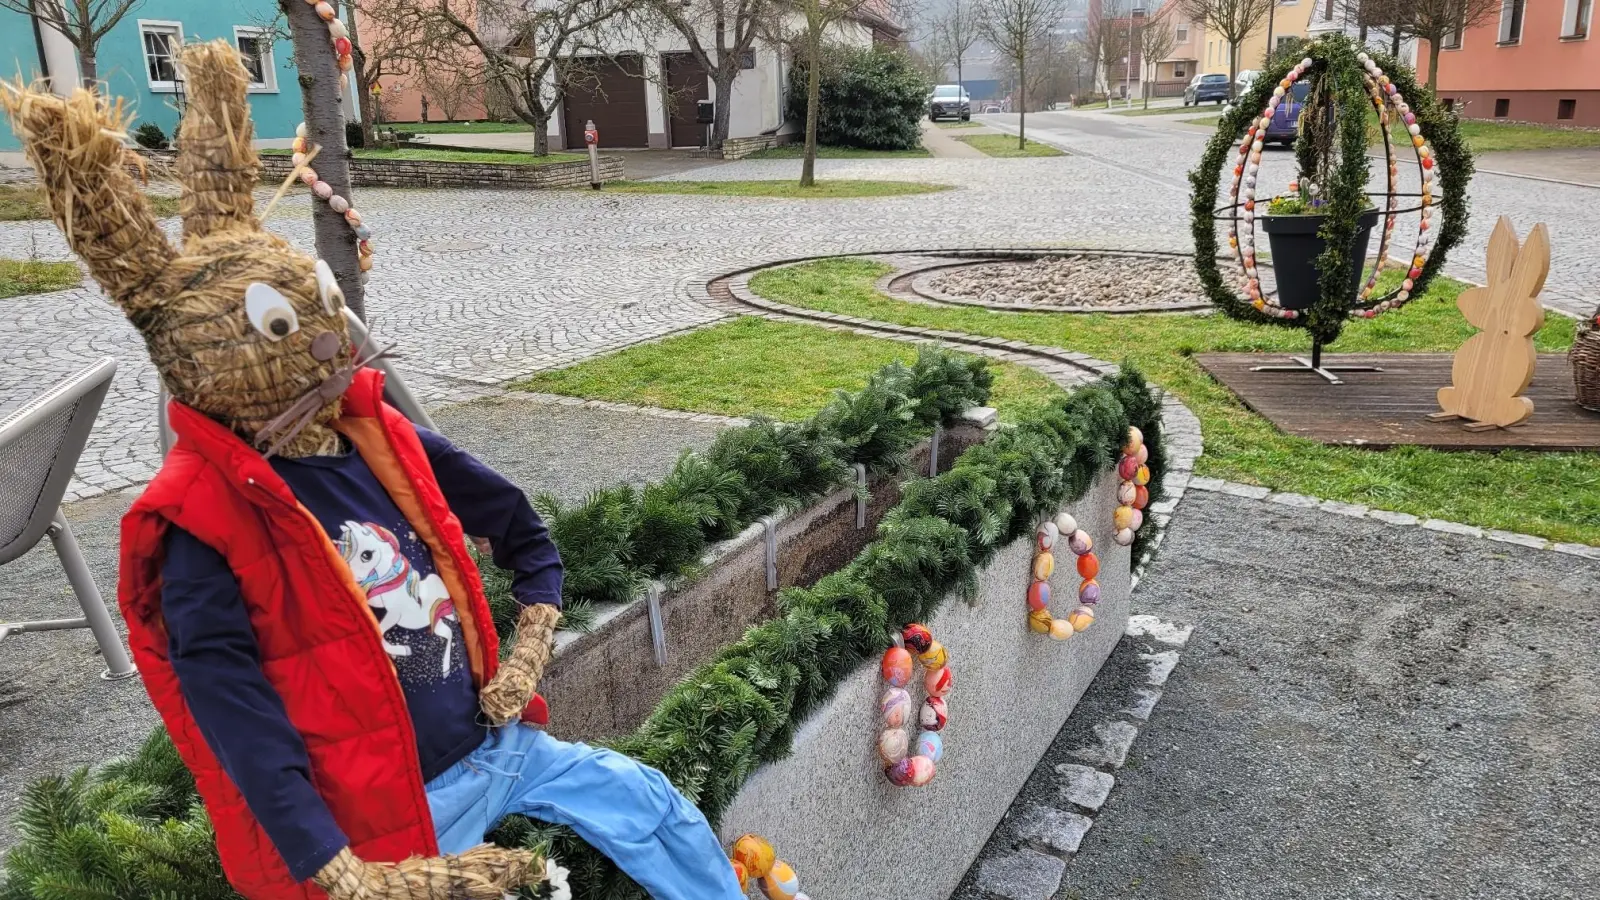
{"x":406,"y":599}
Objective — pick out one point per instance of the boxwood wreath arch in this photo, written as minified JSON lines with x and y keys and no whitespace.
{"x":1342,"y":76}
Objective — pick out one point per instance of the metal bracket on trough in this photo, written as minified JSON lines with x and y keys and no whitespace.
{"x":771,"y":528}
{"x":933,"y":449}
{"x":861,"y":495}
{"x":658,"y":625}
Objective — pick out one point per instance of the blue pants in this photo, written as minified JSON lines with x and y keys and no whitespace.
{"x":624,"y":809}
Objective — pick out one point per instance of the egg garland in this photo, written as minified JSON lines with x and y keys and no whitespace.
{"x":905,"y":765}
{"x":754,"y":860}
{"x":303,"y":152}
{"x":1078,"y":541}
{"x":1133,"y":495}
{"x":1349,"y":77}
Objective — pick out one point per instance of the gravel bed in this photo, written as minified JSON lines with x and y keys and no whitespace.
{"x":1098,"y":282}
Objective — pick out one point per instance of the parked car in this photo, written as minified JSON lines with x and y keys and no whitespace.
{"x":991,"y":109}
{"x":950,"y":100}
{"x":1206,"y":87}
{"x":1243,"y":82}
{"x":1285,"y":123}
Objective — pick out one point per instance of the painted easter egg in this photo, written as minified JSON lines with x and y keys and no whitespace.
{"x":1038,"y":595}
{"x":916,"y":637}
{"x":1134,"y":442}
{"x":1047,"y":535}
{"x":1081,"y":618}
{"x":931,"y":745}
{"x":1138,"y":520}
{"x":897,"y":666}
{"x":1080,"y":542}
{"x":1088,"y":565}
{"x":899,"y":774}
{"x":1089,"y":592}
{"x":922,"y":769}
{"x":1039,"y":621}
{"x":741,"y":873}
{"x":1043,"y":566}
{"x":802,"y":896}
{"x":1126,"y":491}
{"x":1143,"y":456}
{"x":1060,"y":629}
{"x":938,"y":682}
{"x":1124,"y":537}
{"x":935,"y":714}
{"x":1141,"y":497}
{"x":1126,"y":467}
{"x":892,"y":745}
{"x":934,"y":657}
{"x":781,"y":883}
{"x":1141,"y":476}
{"x":1122,"y":518}
{"x":754,"y":853}
{"x":896,"y":707}
{"x":1065,"y":523}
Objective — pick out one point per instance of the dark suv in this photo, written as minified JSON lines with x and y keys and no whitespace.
{"x":950,"y":100}
{"x":1206,"y":87}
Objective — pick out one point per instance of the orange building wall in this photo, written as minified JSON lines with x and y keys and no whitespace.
{"x":402,"y":93}
{"x":1533,"y":75}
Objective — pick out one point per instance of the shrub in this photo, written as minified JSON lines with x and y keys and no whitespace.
{"x":150,"y":136}
{"x":353,"y":138}
{"x":870,"y":98}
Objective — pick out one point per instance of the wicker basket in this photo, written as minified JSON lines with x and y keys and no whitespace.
{"x":1585,"y":359}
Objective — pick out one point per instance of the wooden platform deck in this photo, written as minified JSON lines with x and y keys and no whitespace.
{"x":1390,"y":408}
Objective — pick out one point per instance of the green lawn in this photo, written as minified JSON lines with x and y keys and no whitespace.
{"x":26,"y":276}
{"x":795,"y":151}
{"x":1207,"y":121}
{"x":779,"y":369}
{"x":1004,"y":146}
{"x":959,"y":124}
{"x":507,"y":157}
{"x":789,"y":189}
{"x":1489,"y":137}
{"x":19,"y":202}
{"x":1156,"y":111}
{"x":458,"y":127}
{"x":1555,"y":495}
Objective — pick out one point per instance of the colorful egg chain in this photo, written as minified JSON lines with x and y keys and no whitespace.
{"x":1040,"y":621}
{"x":906,"y":765}
{"x":1132,"y":495}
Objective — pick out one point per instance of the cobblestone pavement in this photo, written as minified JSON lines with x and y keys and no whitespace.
{"x":566,"y":275}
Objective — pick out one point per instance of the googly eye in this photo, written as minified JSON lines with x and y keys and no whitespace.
{"x":328,"y":289}
{"x":270,"y":312}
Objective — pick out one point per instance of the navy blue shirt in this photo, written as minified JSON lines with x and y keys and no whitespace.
{"x":217,"y":661}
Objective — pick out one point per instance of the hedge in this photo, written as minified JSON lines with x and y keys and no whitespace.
{"x":871,"y":98}
{"x":135,"y":829}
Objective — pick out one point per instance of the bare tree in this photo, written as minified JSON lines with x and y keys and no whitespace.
{"x":1156,"y":40}
{"x":447,"y":87}
{"x":957,"y":30}
{"x":1434,"y":21}
{"x":1104,"y":42}
{"x":932,"y":58}
{"x":1015,"y":28}
{"x":720,"y":34}
{"x":1231,"y":20}
{"x":817,"y":17}
{"x":83,"y":23}
{"x":530,"y":49}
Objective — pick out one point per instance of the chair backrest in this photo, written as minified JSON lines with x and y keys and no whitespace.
{"x":394,"y":390}
{"x":39,"y":447}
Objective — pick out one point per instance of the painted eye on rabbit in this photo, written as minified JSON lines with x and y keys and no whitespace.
{"x":270,"y":312}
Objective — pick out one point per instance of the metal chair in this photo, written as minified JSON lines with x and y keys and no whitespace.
{"x":394,"y":390}
{"x":39,"y":448}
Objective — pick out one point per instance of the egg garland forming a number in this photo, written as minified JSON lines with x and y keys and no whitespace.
{"x":754,"y":859}
{"x":1132,"y":494}
{"x":1044,"y":565}
{"x":903,"y":768}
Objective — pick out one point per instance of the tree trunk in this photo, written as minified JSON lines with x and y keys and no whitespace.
{"x":808,"y":162}
{"x":1394,"y":41}
{"x":1233,"y":69}
{"x":1022,"y":103}
{"x":1266,"y":61}
{"x":722,"y":78}
{"x":365,"y":103}
{"x":541,"y":134}
{"x":88,"y":68}
{"x":319,"y":101}
{"x":1433,"y":66}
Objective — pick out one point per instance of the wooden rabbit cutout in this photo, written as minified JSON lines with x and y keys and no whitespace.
{"x":1494,"y":366}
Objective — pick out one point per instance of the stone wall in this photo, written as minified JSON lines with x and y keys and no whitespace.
{"x":828,"y":809}
{"x":432,"y":173}
{"x":739,"y":148}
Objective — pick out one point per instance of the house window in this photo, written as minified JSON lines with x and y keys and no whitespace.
{"x":161,"y":42}
{"x":1327,"y":10}
{"x":1449,"y":104}
{"x":1575,"y":19}
{"x":1178,"y":71}
{"x":1451,"y":40}
{"x":747,"y":59}
{"x":1183,"y":34}
{"x":1511,"y":21}
{"x":1566,"y":109}
{"x":255,"y":48}
{"x":1502,"y":107}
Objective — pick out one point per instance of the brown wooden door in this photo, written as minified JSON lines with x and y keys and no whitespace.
{"x":610,"y":91}
{"x":687,"y":84}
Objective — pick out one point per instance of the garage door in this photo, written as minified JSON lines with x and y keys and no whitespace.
{"x":610,"y":91}
{"x":686,"y":86}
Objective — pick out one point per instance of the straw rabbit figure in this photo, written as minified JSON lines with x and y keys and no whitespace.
{"x":247,"y":330}
{"x":1494,"y":366}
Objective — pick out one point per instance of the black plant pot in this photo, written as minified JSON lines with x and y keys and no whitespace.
{"x":1295,"y":249}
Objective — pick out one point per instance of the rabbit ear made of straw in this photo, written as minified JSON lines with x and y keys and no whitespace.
{"x":217,"y":165}
{"x":76,"y":145}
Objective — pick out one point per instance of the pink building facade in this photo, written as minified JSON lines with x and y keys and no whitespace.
{"x":1535,"y":62}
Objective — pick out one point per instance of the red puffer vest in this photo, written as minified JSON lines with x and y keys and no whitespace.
{"x":320,"y":646}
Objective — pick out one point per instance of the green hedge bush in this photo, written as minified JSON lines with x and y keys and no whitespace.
{"x":871,"y":98}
